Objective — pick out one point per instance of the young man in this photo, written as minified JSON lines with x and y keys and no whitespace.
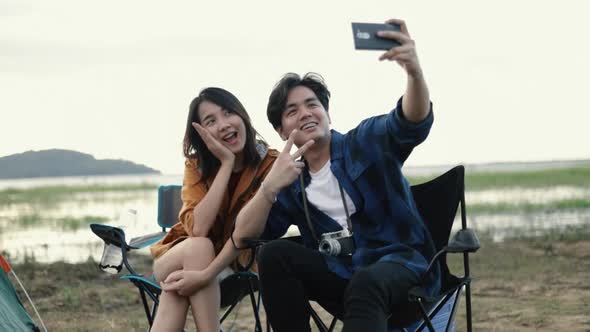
{"x":357,"y":174}
{"x":349,"y":181}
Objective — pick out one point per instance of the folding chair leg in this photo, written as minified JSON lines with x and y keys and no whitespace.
{"x":468,"y":305}
{"x":454,"y":309}
{"x":146,"y":307}
{"x":425,"y":315}
{"x":154,"y":310}
{"x":258,"y":306}
{"x":258,"y":327}
{"x":227,"y":312}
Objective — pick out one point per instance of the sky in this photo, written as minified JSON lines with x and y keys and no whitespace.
{"x":508,"y":79}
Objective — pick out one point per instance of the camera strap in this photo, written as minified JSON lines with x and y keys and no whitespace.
{"x":306,"y":210}
{"x":348,"y":222}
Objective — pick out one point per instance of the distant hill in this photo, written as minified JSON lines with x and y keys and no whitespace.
{"x":55,"y":162}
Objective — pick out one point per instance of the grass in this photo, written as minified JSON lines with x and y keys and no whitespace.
{"x":575,"y":177}
{"x":521,"y":285}
{"x":518,"y":286}
{"x":54,"y":194}
{"x":526,"y":207}
{"x":571,"y":177}
{"x":72,"y":223}
{"x":65,"y":223}
{"x":569,"y":234}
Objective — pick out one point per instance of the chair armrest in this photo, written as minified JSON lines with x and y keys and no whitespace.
{"x":250,"y":244}
{"x":465,"y":240}
{"x":142,"y":282}
{"x":110,"y":235}
{"x":145,"y":240}
{"x":253,"y":243}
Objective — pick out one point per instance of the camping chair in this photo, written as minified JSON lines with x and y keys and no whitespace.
{"x":437,"y":201}
{"x":233,"y":287}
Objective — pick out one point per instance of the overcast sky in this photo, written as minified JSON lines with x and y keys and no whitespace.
{"x":509,"y":79}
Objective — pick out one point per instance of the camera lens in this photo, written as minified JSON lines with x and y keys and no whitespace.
{"x":325,"y":247}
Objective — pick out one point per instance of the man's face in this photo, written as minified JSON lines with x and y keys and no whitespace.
{"x":305,"y":113}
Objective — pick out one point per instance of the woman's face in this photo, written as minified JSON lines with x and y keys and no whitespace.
{"x":226,"y":127}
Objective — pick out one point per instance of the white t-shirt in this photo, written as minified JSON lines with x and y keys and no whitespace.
{"x":324,"y":193}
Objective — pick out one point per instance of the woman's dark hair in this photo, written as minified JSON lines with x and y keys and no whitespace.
{"x":193,"y":145}
{"x":277,"y":101}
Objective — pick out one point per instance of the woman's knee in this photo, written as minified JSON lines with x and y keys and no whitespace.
{"x":199,"y":245}
{"x":165,"y":264}
{"x":198,"y":250}
{"x":193,"y":250}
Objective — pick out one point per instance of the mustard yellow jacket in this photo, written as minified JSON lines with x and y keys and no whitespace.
{"x":193,"y":190}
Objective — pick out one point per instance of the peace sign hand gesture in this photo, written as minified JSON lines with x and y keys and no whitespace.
{"x":286,"y":167}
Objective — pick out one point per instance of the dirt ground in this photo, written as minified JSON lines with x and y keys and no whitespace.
{"x":519,"y":285}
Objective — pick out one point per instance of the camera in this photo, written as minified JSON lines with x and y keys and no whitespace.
{"x":340,"y":243}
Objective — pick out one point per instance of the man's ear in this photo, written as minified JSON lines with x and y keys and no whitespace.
{"x":280,"y":132}
{"x":329,"y":120}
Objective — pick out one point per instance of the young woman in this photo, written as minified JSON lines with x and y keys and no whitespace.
{"x":225,"y":164}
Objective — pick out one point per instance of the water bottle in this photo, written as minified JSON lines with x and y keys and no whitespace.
{"x":112,"y":259}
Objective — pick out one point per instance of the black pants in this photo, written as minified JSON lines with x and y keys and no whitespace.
{"x":291,"y":275}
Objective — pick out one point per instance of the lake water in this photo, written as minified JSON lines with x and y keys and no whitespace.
{"x":49,"y":238}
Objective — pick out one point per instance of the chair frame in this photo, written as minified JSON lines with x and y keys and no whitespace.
{"x":148,"y":289}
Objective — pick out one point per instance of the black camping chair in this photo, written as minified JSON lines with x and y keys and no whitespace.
{"x":233,"y":287}
{"x":437,"y":201}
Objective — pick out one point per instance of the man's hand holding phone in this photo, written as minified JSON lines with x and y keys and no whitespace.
{"x":405,"y":54}
{"x":392,"y":37}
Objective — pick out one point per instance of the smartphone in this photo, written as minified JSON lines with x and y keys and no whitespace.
{"x":365,"y":36}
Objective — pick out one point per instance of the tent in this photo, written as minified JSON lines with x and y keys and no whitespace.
{"x":13,"y":316}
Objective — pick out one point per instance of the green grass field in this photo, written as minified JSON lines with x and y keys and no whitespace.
{"x":51,"y":195}
{"x":575,"y":177}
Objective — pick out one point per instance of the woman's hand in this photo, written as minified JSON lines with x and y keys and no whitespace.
{"x":219,"y":150}
{"x":286,"y":168}
{"x":186,"y":282}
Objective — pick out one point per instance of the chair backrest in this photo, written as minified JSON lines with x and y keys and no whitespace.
{"x":169,"y":205}
{"x":437,"y":201}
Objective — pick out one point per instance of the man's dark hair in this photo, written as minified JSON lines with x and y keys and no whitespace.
{"x":277,"y":101}
{"x":195,"y":148}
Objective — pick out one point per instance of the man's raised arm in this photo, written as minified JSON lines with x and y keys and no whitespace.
{"x":416,"y":101}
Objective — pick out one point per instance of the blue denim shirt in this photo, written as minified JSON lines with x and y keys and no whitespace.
{"x":386,"y":226}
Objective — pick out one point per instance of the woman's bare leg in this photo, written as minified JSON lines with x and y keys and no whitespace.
{"x":204,"y":303}
{"x":194,"y":253}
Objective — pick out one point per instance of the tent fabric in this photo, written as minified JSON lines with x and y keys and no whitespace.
{"x":13,"y":316}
